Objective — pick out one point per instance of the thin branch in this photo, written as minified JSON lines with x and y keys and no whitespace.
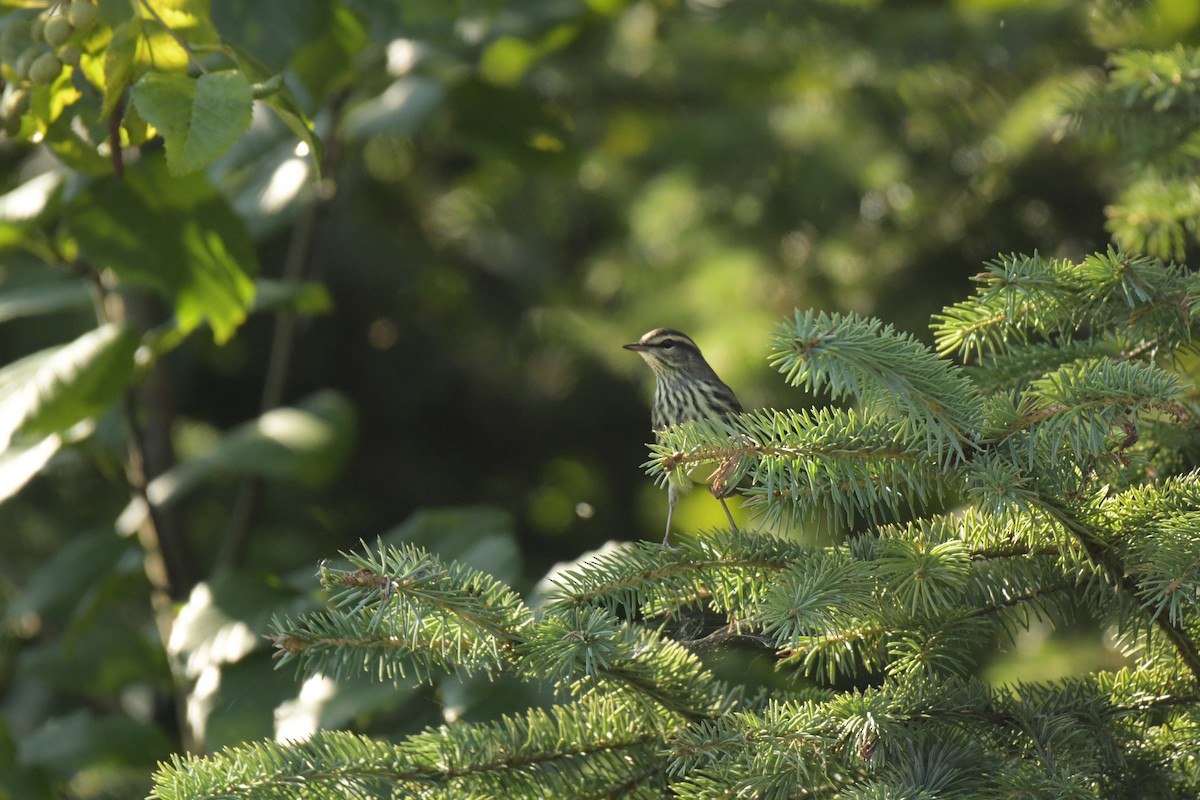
{"x":167,"y":564}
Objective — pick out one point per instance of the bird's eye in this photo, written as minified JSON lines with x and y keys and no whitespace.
{"x":668,"y":345}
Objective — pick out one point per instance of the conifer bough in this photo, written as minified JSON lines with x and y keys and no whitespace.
{"x":1050,"y":477}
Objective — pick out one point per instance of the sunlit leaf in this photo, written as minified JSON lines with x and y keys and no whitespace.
{"x":173,"y":234}
{"x":199,"y":119}
{"x":21,"y":461}
{"x":52,"y":390}
{"x":305,"y":443}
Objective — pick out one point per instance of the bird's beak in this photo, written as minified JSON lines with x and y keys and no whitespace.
{"x":637,"y":347}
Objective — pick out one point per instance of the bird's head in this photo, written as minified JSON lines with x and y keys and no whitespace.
{"x":668,"y":352}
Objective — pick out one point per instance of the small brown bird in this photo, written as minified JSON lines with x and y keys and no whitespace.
{"x":686,"y":389}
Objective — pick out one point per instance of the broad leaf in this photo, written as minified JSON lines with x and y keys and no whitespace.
{"x":175,"y":235}
{"x":50,"y":391}
{"x":296,"y":297}
{"x":224,"y":618}
{"x":274,"y":30}
{"x":67,"y":744}
{"x":401,"y":110}
{"x":306,"y":443}
{"x":281,"y":100}
{"x":21,"y":461}
{"x":199,"y":118}
{"x":44,"y":298}
{"x":137,"y":46}
{"x":59,"y":588}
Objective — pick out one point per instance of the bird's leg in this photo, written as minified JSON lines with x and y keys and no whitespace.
{"x":732,"y":525}
{"x":672,"y":498}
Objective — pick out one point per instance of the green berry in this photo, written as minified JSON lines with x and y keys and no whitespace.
{"x":69,"y":54}
{"x":82,"y":14}
{"x":24,"y":61}
{"x":45,"y":69}
{"x":37,"y":29}
{"x":57,"y":30}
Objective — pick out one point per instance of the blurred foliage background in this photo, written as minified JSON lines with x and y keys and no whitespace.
{"x":512,"y":190}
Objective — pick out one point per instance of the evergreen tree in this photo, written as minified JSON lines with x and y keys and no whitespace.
{"x":1037,"y":463}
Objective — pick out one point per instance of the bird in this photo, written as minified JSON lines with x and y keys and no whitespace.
{"x":686,"y":389}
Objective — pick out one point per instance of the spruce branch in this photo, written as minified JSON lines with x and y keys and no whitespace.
{"x":722,"y":570}
{"x":594,"y":653}
{"x":1102,"y":553}
{"x":403,"y":610}
{"x":1025,"y":300}
{"x":1151,"y":100}
{"x":556,"y":750}
{"x":1080,"y":407}
{"x":888,"y":372}
{"x":826,"y":462}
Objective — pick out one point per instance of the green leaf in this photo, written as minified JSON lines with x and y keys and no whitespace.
{"x":306,"y":443}
{"x":73,"y":143}
{"x":296,"y":297}
{"x":329,"y":62}
{"x":175,"y":235}
{"x":224,"y":618}
{"x":506,"y":60}
{"x":64,"y":745}
{"x":275,"y":30}
{"x":62,"y":583}
{"x":401,"y":110}
{"x":199,"y":119}
{"x":119,"y":63}
{"x":51,"y":390}
{"x":218,"y":631}
{"x":46,"y":298}
{"x":188,"y":19}
{"x":282,"y":102}
{"x":20,"y":461}
{"x":30,"y":200}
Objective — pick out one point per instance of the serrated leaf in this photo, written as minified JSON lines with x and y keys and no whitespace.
{"x":199,"y":119}
{"x":138,"y":45}
{"x":175,"y":235}
{"x":51,"y":390}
